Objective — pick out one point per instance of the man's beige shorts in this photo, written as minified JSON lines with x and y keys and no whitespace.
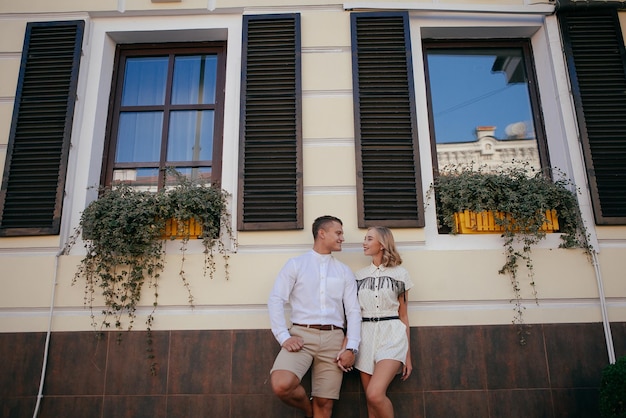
{"x":321,"y":349}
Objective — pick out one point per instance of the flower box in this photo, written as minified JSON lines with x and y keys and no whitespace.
{"x":175,"y":228}
{"x":468,"y":222}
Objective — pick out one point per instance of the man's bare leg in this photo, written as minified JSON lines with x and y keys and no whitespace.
{"x":287,"y":387}
{"x":322,"y":407}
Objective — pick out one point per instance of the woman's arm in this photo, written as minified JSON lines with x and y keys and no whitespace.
{"x":404,"y":317}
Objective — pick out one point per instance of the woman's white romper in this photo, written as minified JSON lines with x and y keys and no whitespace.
{"x":378,"y":291}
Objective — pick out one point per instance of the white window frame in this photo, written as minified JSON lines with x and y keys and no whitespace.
{"x":558,"y":111}
{"x":95,"y":80}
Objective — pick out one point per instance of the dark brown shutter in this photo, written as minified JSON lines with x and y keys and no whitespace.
{"x":34,"y":175}
{"x":270,"y":176}
{"x":388,"y":184}
{"x":595,"y":53}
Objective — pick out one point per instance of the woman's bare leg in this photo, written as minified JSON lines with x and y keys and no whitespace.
{"x":375,"y":386}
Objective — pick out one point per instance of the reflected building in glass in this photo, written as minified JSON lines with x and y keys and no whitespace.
{"x":491,"y":153}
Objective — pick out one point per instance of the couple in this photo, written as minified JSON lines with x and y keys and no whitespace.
{"x":320,"y":289}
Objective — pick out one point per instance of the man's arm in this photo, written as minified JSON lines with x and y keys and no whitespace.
{"x":353,"y":313}
{"x":279,"y":296}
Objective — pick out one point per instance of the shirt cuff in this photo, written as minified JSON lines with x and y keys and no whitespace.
{"x":282,"y":337}
{"x":352,"y":344}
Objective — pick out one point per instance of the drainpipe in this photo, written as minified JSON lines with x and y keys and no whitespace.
{"x":605,"y":317}
{"x":48,"y":333}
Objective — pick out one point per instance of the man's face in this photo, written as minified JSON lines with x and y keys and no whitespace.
{"x":332,"y":236}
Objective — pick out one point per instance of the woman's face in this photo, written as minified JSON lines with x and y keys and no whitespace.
{"x":371,"y":244}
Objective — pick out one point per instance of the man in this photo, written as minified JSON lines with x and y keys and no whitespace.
{"x":319,"y":289}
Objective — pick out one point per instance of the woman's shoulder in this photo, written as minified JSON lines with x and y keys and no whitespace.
{"x":399,"y":272}
{"x":364,"y":272}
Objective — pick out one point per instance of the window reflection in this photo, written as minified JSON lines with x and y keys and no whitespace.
{"x":145,"y":79}
{"x":144,"y":179}
{"x":481,"y":106}
{"x":139,"y":137}
{"x":190,"y":136}
{"x":199,"y":175}
{"x":194,"y":79}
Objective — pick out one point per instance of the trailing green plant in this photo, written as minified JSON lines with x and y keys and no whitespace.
{"x":123,"y":250}
{"x":207,"y":205}
{"x":524,"y":196}
{"x":123,"y":234}
{"x":613,"y":390}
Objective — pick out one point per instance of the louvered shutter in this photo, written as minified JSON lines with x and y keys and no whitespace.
{"x":596,"y":59}
{"x":270,"y":176}
{"x":34,"y":175}
{"x":388,"y":185}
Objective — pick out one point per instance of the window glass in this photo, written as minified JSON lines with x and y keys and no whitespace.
{"x":200,"y":175}
{"x":481,"y":106}
{"x":190,"y":135}
{"x":145,"y":179}
{"x":194,"y":79}
{"x":145,"y":80}
{"x":139,"y":137}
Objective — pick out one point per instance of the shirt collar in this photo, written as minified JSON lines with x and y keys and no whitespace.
{"x":321,"y":257}
{"x":373,"y":268}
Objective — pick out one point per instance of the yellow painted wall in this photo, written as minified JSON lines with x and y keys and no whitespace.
{"x":452,"y":286}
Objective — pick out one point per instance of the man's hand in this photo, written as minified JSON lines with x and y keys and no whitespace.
{"x":345,"y":360}
{"x":293,"y":344}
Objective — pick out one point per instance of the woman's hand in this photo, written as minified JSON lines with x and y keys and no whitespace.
{"x":345,"y":360}
{"x":407,"y":369}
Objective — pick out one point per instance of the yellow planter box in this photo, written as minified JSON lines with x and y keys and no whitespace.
{"x":469,"y":222}
{"x":174,"y":227}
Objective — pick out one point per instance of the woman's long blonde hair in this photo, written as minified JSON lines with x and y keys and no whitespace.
{"x":391,"y":257}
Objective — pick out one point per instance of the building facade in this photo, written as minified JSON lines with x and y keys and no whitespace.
{"x":298,"y":109}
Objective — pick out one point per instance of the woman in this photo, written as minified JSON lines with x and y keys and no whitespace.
{"x":382,"y":292}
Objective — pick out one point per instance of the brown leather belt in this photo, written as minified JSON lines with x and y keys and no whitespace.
{"x":321,"y":327}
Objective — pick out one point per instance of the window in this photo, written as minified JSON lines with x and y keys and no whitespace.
{"x":167,"y":112}
{"x":595,"y":50}
{"x":270,"y":150}
{"x":33,"y":183}
{"x":484,"y":109}
{"x":388,"y":170}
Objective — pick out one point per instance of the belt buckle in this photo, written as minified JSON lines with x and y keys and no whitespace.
{"x":377,"y":319}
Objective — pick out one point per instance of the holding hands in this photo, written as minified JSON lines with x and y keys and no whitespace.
{"x":345,"y":360}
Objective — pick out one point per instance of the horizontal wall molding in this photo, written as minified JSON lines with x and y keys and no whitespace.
{"x":326,"y":93}
{"x":612,"y":243}
{"x":539,"y":9}
{"x":329,"y":190}
{"x":30,"y":251}
{"x":403,"y":246}
{"x":326,"y":49}
{"x":328,"y":142}
{"x":261,"y":309}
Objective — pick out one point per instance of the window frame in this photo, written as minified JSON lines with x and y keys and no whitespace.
{"x":171,"y":49}
{"x":534,"y":96}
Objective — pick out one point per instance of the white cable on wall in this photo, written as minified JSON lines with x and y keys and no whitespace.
{"x":48,"y":334}
{"x":605,"y":316}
